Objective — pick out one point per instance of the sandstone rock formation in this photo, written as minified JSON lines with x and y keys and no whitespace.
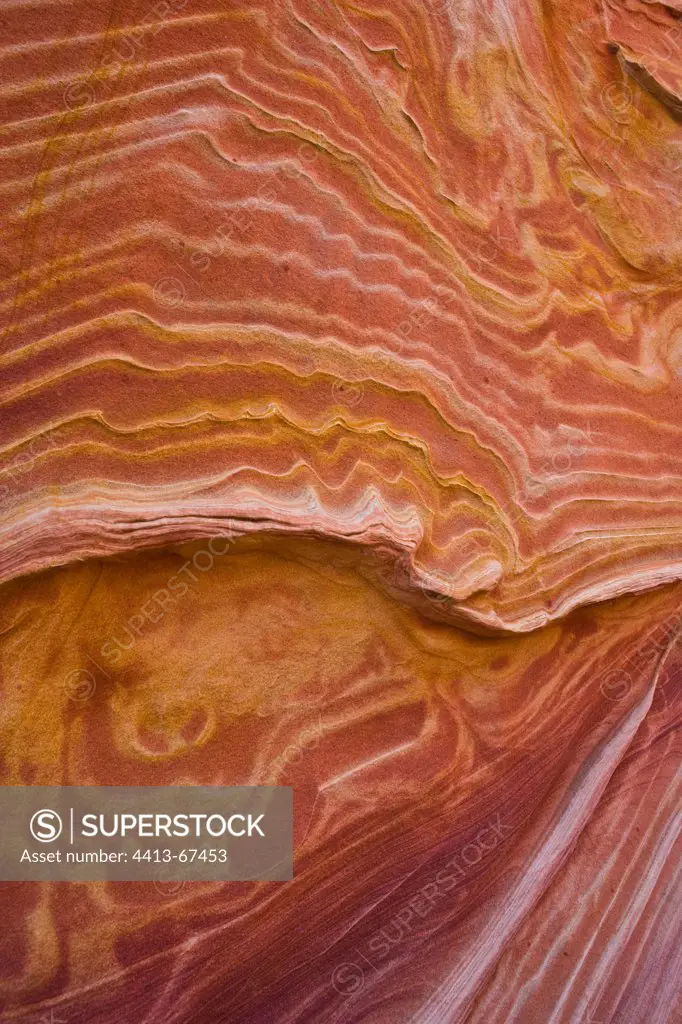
{"x":369,"y":315}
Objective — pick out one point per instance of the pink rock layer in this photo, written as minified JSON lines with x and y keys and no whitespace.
{"x":408,"y":275}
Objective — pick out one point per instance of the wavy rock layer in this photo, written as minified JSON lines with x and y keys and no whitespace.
{"x":403,"y":274}
{"x":441,"y":781}
{"x":383,"y":302}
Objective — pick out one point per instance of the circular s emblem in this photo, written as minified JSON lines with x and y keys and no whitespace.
{"x":46,"y":826}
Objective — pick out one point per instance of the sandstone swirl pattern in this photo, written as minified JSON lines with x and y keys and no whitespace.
{"x":385,"y":298}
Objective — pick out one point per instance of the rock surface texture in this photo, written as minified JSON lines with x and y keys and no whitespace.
{"x":366,"y":318}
